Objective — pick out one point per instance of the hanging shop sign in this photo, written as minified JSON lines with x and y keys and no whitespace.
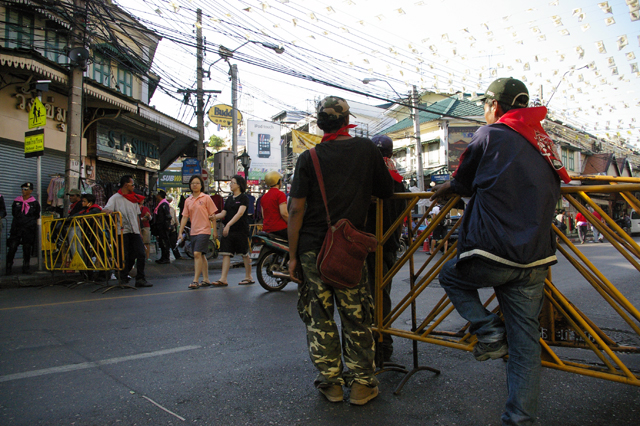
{"x":190,"y":167}
{"x":34,"y":143}
{"x":127,"y":147}
{"x":170,"y":179}
{"x":441,"y":178}
{"x":223,"y":115}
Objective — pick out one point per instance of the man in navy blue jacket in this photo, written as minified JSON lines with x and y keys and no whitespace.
{"x":511,"y":173}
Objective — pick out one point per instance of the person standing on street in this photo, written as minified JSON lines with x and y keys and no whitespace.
{"x":353,"y":170}
{"x":581,"y":223}
{"x":392,"y":209}
{"x":173,"y":233}
{"x":75,"y":203}
{"x":235,"y":235}
{"x":512,"y":174}
{"x":273,"y":206}
{"x":162,"y":226}
{"x":200,"y":209}
{"x":145,"y":230}
{"x":597,"y":236}
{"x":24,"y":227}
{"x":126,"y":202}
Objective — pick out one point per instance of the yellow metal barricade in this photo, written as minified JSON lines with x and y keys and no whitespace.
{"x":83,"y":243}
{"x":571,"y":338}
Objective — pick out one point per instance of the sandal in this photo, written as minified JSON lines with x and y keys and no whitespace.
{"x":204,"y":283}
{"x":219,"y":284}
{"x":246,"y":281}
{"x":194,"y":285}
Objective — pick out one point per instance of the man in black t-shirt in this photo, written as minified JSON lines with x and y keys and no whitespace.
{"x":353,"y":170}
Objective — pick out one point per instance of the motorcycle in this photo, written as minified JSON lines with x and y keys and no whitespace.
{"x":185,"y":243}
{"x":272,"y":267}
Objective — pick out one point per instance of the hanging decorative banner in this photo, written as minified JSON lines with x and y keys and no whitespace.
{"x":302,"y":141}
{"x":223,"y":115}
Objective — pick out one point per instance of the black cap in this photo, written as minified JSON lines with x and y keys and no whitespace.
{"x":509,"y":91}
{"x":27,"y":185}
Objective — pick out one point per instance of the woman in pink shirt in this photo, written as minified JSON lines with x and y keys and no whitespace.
{"x":201,"y":210}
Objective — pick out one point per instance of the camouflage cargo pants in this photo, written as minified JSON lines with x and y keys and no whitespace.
{"x":355,"y":306}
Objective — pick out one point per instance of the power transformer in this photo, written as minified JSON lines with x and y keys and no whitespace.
{"x":223,"y":165}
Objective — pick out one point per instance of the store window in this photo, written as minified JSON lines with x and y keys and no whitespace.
{"x":101,"y":69}
{"x":125,"y":81}
{"x":18,"y":30}
{"x":434,"y":153}
{"x":564,"y":156}
{"x":570,"y":164}
{"x":55,"y":44}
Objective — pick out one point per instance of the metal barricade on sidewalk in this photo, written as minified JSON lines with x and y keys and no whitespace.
{"x":84,"y":243}
{"x":571,"y":339}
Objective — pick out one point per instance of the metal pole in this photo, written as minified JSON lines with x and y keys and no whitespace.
{"x":39,"y":196}
{"x":233,"y":71}
{"x":416,"y":129}
{"x":74,"y":118}
{"x":201,"y":152}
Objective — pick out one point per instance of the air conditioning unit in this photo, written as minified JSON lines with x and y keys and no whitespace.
{"x":223,"y":166}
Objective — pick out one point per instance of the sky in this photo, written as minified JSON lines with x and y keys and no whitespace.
{"x":588,"y":49}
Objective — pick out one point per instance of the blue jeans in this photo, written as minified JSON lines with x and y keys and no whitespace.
{"x":519,"y":292}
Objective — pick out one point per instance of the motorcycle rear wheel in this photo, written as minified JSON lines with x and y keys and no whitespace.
{"x":264,"y":271}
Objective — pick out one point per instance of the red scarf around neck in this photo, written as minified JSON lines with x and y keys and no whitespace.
{"x":343,"y":131}
{"x":526,"y":121}
{"x":132,"y":196}
{"x":93,"y":206}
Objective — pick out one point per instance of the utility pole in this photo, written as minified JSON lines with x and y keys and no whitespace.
{"x":199,"y":93}
{"x":233,"y":72}
{"x":74,"y":117}
{"x":416,"y":128}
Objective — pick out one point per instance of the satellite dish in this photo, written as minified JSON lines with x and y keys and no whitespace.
{"x":79,"y":56}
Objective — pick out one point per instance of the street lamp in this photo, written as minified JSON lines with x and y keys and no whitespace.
{"x":370,"y":80}
{"x":227,"y":54}
{"x":245,"y":160}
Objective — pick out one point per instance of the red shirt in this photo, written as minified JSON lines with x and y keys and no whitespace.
{"x":270,"y":204}
{"x":143,"y":211}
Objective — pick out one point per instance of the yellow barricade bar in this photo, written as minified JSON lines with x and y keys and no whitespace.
{"x":570,"y":326}
{"x":83,"y":243}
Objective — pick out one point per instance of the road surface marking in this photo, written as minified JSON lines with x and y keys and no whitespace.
{"x":85,"y":365}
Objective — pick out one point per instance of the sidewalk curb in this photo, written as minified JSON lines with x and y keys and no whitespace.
{"x":153,"y":270}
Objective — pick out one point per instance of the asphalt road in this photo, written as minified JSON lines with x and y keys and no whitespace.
{"x":237,"y":356}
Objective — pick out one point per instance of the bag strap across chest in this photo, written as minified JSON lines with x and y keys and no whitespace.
{"x":316,"y":166}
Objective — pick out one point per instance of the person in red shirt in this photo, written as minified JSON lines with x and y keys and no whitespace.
{"x":581,"y":223}
{"x":274,"y":206}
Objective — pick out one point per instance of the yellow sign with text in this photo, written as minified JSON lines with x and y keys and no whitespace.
{"x":37,"y":115}
{"x":223,"y":115}
{"x":34,"y":143}
{"x":303,"y":141}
